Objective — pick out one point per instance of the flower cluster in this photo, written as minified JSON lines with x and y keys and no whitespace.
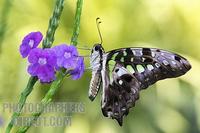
{"x":45,"y":62}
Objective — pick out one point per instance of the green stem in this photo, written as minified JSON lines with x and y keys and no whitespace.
{"x":4,"y":18}
{"x":47,"y":42}
{"x":57,"y":83}
{"x":74,"y":39}
{"x":21,"y":102}
{"x":45,"y":101}
{"x":53,"y":24}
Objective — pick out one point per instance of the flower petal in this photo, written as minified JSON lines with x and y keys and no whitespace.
{"x":42,"y":64}
{"x":65,"y":55}
{"x":30,"y":42}
{"x":70,"y":63}
{"x":59,"y":50}
{"x":34,"y":55}
{"x":79,"y":70}
{"x":32,"y":69}
{"x":73,"y":50}
{"x":51,"y":57}
{"x":46,"y":74}
{"x":24,"y":50}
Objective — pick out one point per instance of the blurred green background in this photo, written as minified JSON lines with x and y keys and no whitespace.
{"x":169,"y":106}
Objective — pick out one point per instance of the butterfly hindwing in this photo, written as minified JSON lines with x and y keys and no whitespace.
{"x":121,"y":93}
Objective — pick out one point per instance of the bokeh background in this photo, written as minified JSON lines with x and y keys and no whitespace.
{"x":169,"y":106}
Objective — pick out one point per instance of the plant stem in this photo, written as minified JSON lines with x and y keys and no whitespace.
{"x":4,"y":19}
{"x":74,"y":39}
{"x":21,"y":102}
{"x":45,"y":101}
{"x":57,"y":83}
{"x":53,"y":24}
{"x":47,"y":42}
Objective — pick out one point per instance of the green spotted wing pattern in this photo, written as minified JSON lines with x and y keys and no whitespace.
{"x":149,"y":65}
{"x":126,"y":71}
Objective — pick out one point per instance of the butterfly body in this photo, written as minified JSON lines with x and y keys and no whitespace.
{"x":124,"y":72}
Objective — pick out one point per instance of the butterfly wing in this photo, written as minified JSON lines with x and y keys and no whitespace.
{"x":150,"y":65}
{"x":120,"y":94}
{"x":127,"y":71}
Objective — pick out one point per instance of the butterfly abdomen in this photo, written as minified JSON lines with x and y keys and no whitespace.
{"x":95,"y":84}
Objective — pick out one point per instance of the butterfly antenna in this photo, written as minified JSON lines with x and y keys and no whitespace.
{"x":83,"y":56}
{"x":98,"y":22}
{"x":90,"y":69}
{"x":83,"y":48}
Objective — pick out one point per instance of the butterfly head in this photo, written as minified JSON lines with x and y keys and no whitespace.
{"x":96,"y":56}
{"x":97,"y":49}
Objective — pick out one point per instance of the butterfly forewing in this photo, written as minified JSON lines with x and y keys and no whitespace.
{"x":150,"y":65}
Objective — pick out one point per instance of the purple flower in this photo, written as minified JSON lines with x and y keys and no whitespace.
{"x":66,"y":56}
{"x":30,"y":42}
{"x":42,"y":64}
{"x":79,"y":69}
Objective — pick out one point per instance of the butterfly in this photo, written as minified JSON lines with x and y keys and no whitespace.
{"x":124,"y":72}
